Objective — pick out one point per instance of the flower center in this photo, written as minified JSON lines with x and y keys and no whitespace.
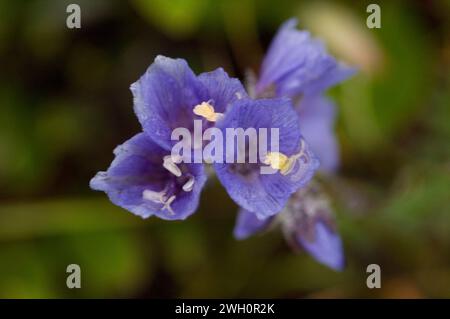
{"x":166,"y":196}
{"x":189,"y":185}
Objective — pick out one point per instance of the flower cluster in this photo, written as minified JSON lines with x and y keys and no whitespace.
{"x":147,"y":180}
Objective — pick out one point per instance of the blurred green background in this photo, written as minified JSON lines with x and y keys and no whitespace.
{"x":65,"y":104}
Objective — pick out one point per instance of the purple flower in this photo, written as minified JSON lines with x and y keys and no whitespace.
{"x":297,"y":64}
{"x":294,"y":163}
{"x":144,"y":180}
{"x":169,"y":95}
{"x":299,"y":67}
{"x":306,"y":223}
{"x":325,"y":245}
{"x":147,"y":180}
{"x":248,"y":223}
{"x":317,"y":116}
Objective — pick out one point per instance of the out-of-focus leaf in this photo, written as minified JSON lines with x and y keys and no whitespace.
{"x":112,"y":263}
{"x":420,"y":198}
{"x":24,"y":273}
{"x":60,"y":128}
{"x":405,"y":84}
{"x":178,"y":18}
{"x":57,"y":217}
{"x":21,"y":169}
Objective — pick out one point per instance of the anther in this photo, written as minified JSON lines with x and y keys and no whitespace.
{"x":171,"y":166}
{"x":277,"y":160}
{"x":282,"y":162}
{"x":206,"y":110}
{"x":189,"y":185}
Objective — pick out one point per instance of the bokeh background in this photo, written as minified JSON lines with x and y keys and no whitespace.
{"x":65,"y":104}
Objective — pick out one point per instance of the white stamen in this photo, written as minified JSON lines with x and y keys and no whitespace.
{"x":159,"y":198}
{"x":156,"y":197}
{"x":167,"y":204}
{"x":171,"y":166}
{"x":189,"y":185}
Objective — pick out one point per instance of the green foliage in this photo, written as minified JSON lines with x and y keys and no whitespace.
{"x":65,"y":103}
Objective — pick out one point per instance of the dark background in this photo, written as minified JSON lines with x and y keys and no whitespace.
{"x":65,"y":104}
